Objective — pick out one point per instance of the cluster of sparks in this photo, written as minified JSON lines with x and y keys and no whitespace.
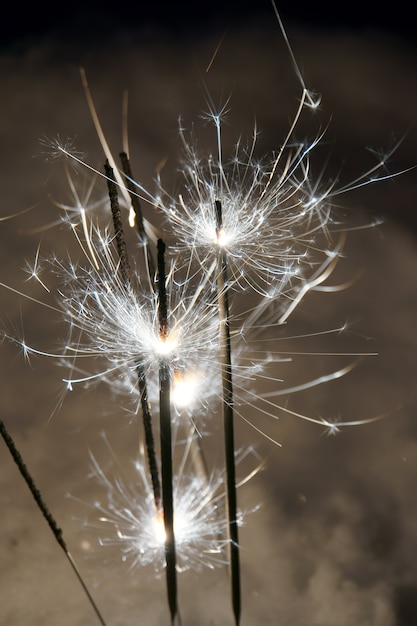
{"x":128,"y":523}
{"x":244,"y":230}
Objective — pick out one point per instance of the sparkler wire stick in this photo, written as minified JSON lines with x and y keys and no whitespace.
{"x":118,"y":225}
{"x":129,"y":180}
{"x":134,"y":198}
{"x":166,"y":439}
{"x":56,"y":531}
{"x":149,"y":437}
{"x":124,"y":270}
{"x":229,"y":445}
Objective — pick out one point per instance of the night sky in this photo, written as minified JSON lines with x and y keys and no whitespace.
{"x":190,"y":20}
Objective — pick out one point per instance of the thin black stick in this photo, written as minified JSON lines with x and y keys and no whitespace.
{"x":36,"y":494}
{"x":149,"y":437}
{"x":143,"y":391}
{"x":129,"y":180}
{"x":166,"y":440}
{"x":228,"y":421}
{"x":118,"y":224}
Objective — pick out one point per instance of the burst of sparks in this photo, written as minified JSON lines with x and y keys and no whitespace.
{"x":117,"y":325}
{"x":272,"y":224}
{"x":129,"y":522}
{"x":120,"y":323}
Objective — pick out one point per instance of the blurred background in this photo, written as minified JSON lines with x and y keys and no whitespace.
{"x":333,"y":543}
{"x":93,"y":20}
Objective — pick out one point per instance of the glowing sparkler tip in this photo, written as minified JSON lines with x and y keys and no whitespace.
{"x":223,"y":238}
{"x":158,"y":528}
{"x":132,"y":217}
{"x":186,"y":386}
{"x":166,"y":345}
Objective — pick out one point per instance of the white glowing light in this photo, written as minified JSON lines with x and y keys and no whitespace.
{"x":118,"y":324}
{"x":132,"y":217}
{"x":185,"y":388}
{"x":181,"y":528}
{"x":166,"y":345}
{"x":272,"y":214}
{"x":130,"y":522}
{"x":223,"y":238}
{"x":158,"y":528}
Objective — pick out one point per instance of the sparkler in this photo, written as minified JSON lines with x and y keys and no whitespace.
{"x":129,"y":523}
{"x":165,"y":435}
{"x":228,"y":418}
{"x":56,"y":531}
{"x":257,"y":231}
{"x":143,"y":390}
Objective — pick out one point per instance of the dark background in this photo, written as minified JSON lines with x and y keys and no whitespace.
{"x":88,"y":22}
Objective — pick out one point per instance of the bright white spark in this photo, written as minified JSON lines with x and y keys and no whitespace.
{"x":270,"y":225}
{"x":131,"y":523}
{"x":119,"y":324}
